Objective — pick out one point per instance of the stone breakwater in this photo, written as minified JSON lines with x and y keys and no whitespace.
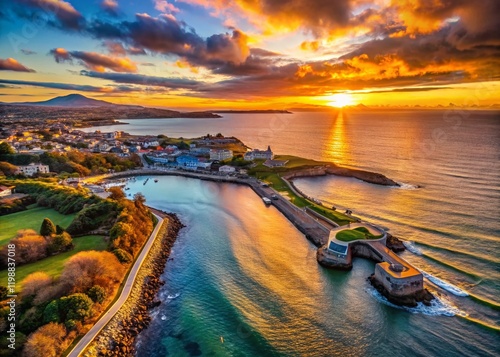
{"x":118,"y":337}
{"x":367,"y":176}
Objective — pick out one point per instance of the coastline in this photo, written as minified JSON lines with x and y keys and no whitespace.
{"x":118,"y":337}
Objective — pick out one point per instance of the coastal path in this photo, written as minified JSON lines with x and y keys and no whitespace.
{"x":129,"y":283}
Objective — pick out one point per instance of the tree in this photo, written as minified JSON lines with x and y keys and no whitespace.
{"x":86,"y":269}
{"x":7,"y":168}
{"x":51,"y":312}
{"x":3,"y":293}
{"x":117,"y":193}
{"x":75,"y":307}
{"x":47,"y":341}
{"x":139,"y":199}
{"x":36,"y":282}
{"x":29,"y":247}
{"x":48,"y":228}
{"x":97,"y":293}
{"x":6,"y":149}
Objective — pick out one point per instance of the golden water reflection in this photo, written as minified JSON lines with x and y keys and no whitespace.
{"x":337,"y":149}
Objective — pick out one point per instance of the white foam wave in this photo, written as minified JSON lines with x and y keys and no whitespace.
{"x":410,"y":245}
{"x":407,"y":186}
{"x":455,"y":290}
{"x":440,"y":306}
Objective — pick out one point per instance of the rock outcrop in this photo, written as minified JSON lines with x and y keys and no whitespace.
{"x":394,"y":244}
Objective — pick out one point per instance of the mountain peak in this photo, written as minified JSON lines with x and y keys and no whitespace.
{"x":73,"y":100}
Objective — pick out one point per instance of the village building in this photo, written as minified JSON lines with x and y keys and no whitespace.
{"x":259,"y":154}
{"x":32,"y":169}
{"x":220,"y":154}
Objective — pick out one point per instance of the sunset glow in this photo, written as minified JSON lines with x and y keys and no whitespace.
{"x":341,"y":100}
{"x":253,"y":54}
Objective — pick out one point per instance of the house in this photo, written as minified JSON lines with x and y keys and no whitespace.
{"x":32,"y":169}
{"x":227,"y":169}
{"x":5,"y":190}
{"x":220,"y":154}
{"x":187,"y":162}
{"x":275,"y":163}
{"x":259,"y":154}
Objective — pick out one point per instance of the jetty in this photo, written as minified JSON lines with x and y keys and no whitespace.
{"x":395,"y":278}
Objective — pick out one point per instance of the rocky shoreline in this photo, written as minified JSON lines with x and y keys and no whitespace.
{"x":118,"y":337}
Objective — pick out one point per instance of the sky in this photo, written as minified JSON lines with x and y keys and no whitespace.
{"x":252,"y":54}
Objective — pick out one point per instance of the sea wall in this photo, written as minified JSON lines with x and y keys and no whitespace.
{"x":117,"y":338}
{"x":367,"y":176}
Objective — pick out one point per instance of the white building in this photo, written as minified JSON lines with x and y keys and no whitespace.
{"x":259,"y":154}
{"x":220,"y":154}
{"x":32,"y":169}
{"x":227,"y":169}
{"x":5,"y":190}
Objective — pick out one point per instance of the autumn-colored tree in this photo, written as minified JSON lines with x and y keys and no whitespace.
{"x":35,"y":282}
{"x":139,"y":200}
{"x":29,"y":247}
{"x":8,"y":169}
{"x":89,"y":268}
{"x":47,"y":341}
{"x":116,"y":193}
{"x":48,"y":228}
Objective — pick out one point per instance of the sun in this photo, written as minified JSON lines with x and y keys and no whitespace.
{"x":340,"y":100}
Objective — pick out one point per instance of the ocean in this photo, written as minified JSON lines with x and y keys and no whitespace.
{"x":248,"y":281}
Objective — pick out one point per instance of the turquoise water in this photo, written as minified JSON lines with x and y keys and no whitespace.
{"x":240,"y":263}
{"x":245,"y":274}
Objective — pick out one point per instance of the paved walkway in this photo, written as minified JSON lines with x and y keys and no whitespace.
{"x":92,"y":333}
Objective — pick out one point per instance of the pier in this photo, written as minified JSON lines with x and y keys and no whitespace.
{"x":394,"y":277}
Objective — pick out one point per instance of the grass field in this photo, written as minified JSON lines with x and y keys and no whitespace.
{"x":30,"y":219}
{"x":349,"y":235}
{"x":55,"y":264}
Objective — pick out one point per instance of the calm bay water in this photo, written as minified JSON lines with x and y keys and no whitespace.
{"x":245,"y":273}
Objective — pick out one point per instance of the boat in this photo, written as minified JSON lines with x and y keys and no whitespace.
{"x":156,"y":180}
{"x":174,"y":296}
{"x":266,"y":200}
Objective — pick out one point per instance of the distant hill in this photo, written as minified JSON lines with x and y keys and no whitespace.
{"x":253,"y":111}
{"x":73,"y":101}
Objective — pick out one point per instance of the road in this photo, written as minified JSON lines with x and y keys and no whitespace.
{"x":94,"y":331}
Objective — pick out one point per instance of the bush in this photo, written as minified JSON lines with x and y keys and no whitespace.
{"x":48,"y":228}
{"x":51,"y":312}
{"x":97,"y":293}
{"x":60,"y":243}
{"x":46,"y":341}
{"x":123,"y":256}
{"x":30,"y":247}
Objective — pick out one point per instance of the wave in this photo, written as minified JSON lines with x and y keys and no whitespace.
{"x":455,"y":290}
{"x":410,"y":246}
{"x":407,"y":186}
{"x":440,"y":306}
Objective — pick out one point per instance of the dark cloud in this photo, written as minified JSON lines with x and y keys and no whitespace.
{"x":140,"y":79}
{"x":28,"y":52}
{"x":66,"y":15}
{"x":94,"y":61}
{"x":72,"y":87}
{"x":10,"y":64}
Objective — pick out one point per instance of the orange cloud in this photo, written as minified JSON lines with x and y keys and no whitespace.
{"x":10,"y":64}
{"x":95,"y":61}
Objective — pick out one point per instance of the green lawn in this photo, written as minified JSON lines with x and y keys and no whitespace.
{"x":54,"y":265}
{"x":349,"y":235}
{"x":30,"y":219}
{"x":279,"y":185}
